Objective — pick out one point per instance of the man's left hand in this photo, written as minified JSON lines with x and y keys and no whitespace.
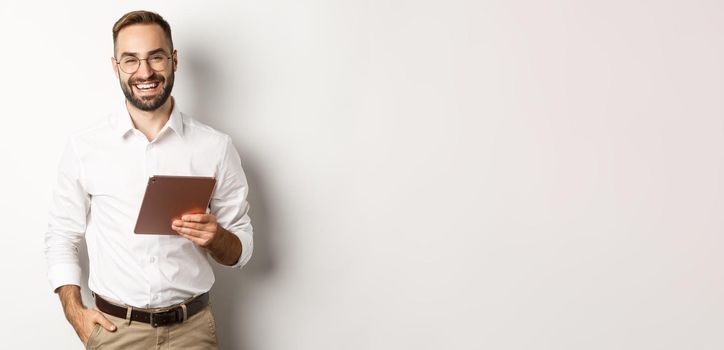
{"x":201,"y":229}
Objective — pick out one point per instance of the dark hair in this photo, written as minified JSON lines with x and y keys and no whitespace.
{"x":141,"y":17}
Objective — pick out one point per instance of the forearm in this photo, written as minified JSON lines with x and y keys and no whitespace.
{"x":71,"y":301}
{"x":80,"y":317}
{"x":226,"y":250}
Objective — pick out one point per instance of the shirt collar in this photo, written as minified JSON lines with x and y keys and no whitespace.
{"x":123,"y":123}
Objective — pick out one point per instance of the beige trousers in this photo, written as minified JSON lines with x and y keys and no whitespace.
{"x":197,"y":332}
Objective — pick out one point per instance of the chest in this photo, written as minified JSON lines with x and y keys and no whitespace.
{"x":123,"y":168}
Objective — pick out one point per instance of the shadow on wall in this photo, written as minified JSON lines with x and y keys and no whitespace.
{"x":232,"y":288}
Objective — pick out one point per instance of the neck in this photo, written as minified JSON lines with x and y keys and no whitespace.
{"x":150,"y":122}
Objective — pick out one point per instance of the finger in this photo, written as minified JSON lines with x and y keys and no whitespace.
{"x":196,"y":218}
{"x":192,"y":232}
{"x":104,"y":322}
{"x":181,"y":223}
{"x":179,"y":228}
{"x":193,"y":239}
{"x":194,"y":225}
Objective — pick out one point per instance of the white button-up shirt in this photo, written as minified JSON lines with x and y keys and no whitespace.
{"x":101,"y":181}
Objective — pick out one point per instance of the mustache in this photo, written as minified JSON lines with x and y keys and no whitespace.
{"x":155,"y":78}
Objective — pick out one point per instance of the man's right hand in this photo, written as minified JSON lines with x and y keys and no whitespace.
{"x":81,"y":318}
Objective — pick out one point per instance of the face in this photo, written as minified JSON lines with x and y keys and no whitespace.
{"x":146,"y":89}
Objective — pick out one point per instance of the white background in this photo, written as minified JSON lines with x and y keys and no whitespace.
{"x":424,"y":175}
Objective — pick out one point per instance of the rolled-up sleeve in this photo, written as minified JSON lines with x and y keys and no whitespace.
{"x":229,"y":203}
{"x":67,"y":223}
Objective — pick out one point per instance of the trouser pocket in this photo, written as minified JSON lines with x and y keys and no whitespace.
{"x":94,"y":334}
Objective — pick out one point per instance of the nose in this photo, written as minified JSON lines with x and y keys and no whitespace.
{"x":144,"y":70}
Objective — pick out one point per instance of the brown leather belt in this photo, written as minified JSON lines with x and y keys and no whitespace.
{"x":156,"y":319}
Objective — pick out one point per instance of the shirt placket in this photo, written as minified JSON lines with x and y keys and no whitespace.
{"x":151,"y":258}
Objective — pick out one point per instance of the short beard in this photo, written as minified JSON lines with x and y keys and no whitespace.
{"x":152,"y":103}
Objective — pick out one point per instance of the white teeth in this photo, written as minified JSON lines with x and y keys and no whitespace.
{"x":146,"y":86}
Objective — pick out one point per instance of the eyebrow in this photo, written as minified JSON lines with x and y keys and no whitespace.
{"x":135,"y":54}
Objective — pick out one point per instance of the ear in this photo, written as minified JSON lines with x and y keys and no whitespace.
{"x":115,"y":67}
{"x":174,"y":59}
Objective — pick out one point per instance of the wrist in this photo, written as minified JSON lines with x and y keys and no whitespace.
{"x":217,"y":244}
{"x":226,"y":248}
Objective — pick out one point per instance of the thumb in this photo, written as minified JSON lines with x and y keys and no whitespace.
{"x":105,"y":323}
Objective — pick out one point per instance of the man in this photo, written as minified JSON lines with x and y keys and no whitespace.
{"x":151,"y":291}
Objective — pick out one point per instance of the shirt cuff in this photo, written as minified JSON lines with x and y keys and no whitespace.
{"x":62,"y":274}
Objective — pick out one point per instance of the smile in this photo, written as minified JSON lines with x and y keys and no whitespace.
{"x":146,"y":86}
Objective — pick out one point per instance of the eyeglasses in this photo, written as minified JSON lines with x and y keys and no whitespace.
{"x":130,"y":64}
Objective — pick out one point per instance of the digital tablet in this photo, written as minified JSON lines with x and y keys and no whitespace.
{"x":167,"y":198}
